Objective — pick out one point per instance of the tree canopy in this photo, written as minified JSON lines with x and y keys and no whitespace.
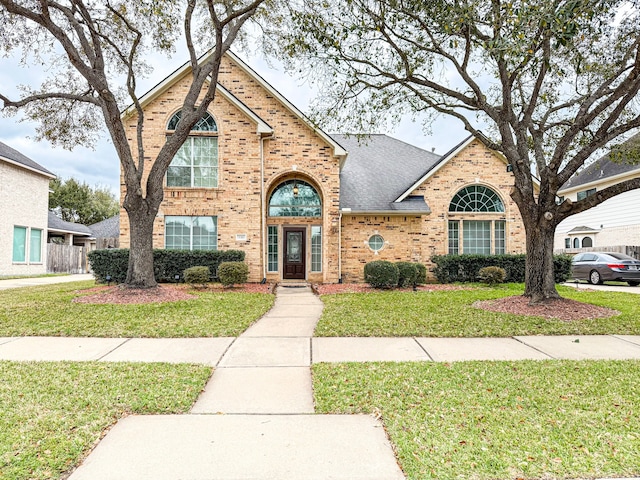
{"x":95,"y":55}
{"x":78,"y":202}
{"x":550,"y":84}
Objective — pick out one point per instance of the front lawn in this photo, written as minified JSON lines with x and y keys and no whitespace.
{"x":49,"y":311}
{"x":451,"y":314}
{"x":52,"y":414}
{"x":488,"y":420}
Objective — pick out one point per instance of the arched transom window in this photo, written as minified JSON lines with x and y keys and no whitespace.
{"x":295,"y":198}
{"x":196,"y":163}
{"x":483,"y":236}
{"x":476,"y":198}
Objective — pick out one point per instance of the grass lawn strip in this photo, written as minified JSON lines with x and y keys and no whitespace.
{"x":487,"y":420}
{"x":49,"y":311}
{"x":451,"y":314}
{"x":53,"y":413}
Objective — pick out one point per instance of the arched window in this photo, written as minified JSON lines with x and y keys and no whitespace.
{"x":295,"y":198}
{"x":587,"y":242}
{"x":476,"y":198}
{"x":576,"y":242}
{"x":196,"y":162}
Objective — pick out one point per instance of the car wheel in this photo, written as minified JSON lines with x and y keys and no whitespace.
{"x":595,"y":278}
{"x":633,"y":283}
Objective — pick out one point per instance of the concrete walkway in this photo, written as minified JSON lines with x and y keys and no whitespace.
{"x":255,"y":419}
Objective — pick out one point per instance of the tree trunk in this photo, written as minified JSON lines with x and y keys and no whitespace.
{"x":540,"y":285}
{"x":140,"y":273}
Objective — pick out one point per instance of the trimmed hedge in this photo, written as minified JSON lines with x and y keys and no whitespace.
{"x":421,"y":279}
{"x":408,"y":274}
{"x":232,"y":273}
{"x":466,"y":268}
{"x":166,"y":263}
{"x":381,"y":274}
{"x":492,"y":275}
{"x":197,"y":275}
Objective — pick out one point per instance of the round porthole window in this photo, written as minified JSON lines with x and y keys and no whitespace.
{"x":376,"y":242}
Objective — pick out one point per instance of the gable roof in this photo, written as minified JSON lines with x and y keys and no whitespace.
{"x":11,"y":155}
{"x":56,"y":224}
{"x":263,"y":127}
{"x":378,"y":170}
{"x":107,"y":228}
{"x":602,"y":169}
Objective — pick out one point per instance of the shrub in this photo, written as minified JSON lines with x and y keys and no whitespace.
{"x":231,"y":273}
{"x":421,"y":278}
{"x":166,"y":263}
{"x":407,"y":274}
{"x":381,"y":274}
{"x":466,"y":268}
{"x":492,"y":275}
{"x":197,"y":275}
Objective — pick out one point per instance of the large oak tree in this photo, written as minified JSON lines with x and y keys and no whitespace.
{"x":95,"y":52}
{"x":553,"y":84}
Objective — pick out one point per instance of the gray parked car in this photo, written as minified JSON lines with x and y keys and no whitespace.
{"x":598,"y":267}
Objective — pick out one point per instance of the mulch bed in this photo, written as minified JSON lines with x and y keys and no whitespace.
{"x":562,"y":309}
{"x":163,"y":293}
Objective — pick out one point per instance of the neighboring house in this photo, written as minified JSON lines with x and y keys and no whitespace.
{"x":106,"y":233}
{"x":613,"y":223}
{"x":62,"y":232}
{"x":258,"y":176}
{"x":24,"y":198}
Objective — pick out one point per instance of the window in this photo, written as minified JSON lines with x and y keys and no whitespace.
{"x":35,"y":246}
{"x":586,"y":193}
{"x":376,"y":243}
{"x":191,"y":233}
{"x":576,"y":242}
{"x":454,"y":238}
{"x":567,"y":242}
{"x":476,"y":237}
{"x":500,"y":237}
{"x":272,"y":249}
{"x":587,"y":242}
{"x":20,"y":244}
{"x":196,"y":162}
{"x":316,"y":248}
{"x":295,"y":198}
{"x":476,"y":198}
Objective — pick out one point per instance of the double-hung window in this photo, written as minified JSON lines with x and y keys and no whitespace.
{"x":196,"y":162}
{"x":27,"y":245}
{"x":191,"y":233}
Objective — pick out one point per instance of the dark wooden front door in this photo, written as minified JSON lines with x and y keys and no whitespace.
{"x":294,"y":253}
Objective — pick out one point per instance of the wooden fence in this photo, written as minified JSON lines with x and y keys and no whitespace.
{"x":66,"y":259}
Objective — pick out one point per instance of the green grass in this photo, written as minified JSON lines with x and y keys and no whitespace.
{"x":49,"y":310}
{"x":14,"y":277}
{"x":451,"y":314}
{"x":489,"y":420}
{"x":53,"y":413}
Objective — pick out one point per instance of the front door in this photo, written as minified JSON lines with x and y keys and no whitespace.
{"x":294,"y":253}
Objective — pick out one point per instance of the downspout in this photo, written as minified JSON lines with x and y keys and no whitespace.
{"x":339,"y":246}
{"x":263,"y":212}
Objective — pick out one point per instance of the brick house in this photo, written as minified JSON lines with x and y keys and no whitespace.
{"x":24,"y":196}
{"x":258,"y":176}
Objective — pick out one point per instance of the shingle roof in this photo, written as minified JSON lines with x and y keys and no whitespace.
{"x":15,"y":156}
{"x":602,"y":168}
{"x":108,"y":228}
{"x":378,"y":170}
{"x":55,"y":223}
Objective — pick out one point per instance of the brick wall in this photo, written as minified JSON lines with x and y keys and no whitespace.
{"x":419,"y":238}
{"x":294,"y":151}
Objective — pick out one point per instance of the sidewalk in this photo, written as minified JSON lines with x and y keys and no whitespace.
{"x":255,"y":419}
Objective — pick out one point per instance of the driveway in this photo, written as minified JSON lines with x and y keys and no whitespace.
{"x":604,"y":287}
{"x":32,"y":282}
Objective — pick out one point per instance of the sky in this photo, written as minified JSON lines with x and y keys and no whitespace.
{"x":100,"y":167}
